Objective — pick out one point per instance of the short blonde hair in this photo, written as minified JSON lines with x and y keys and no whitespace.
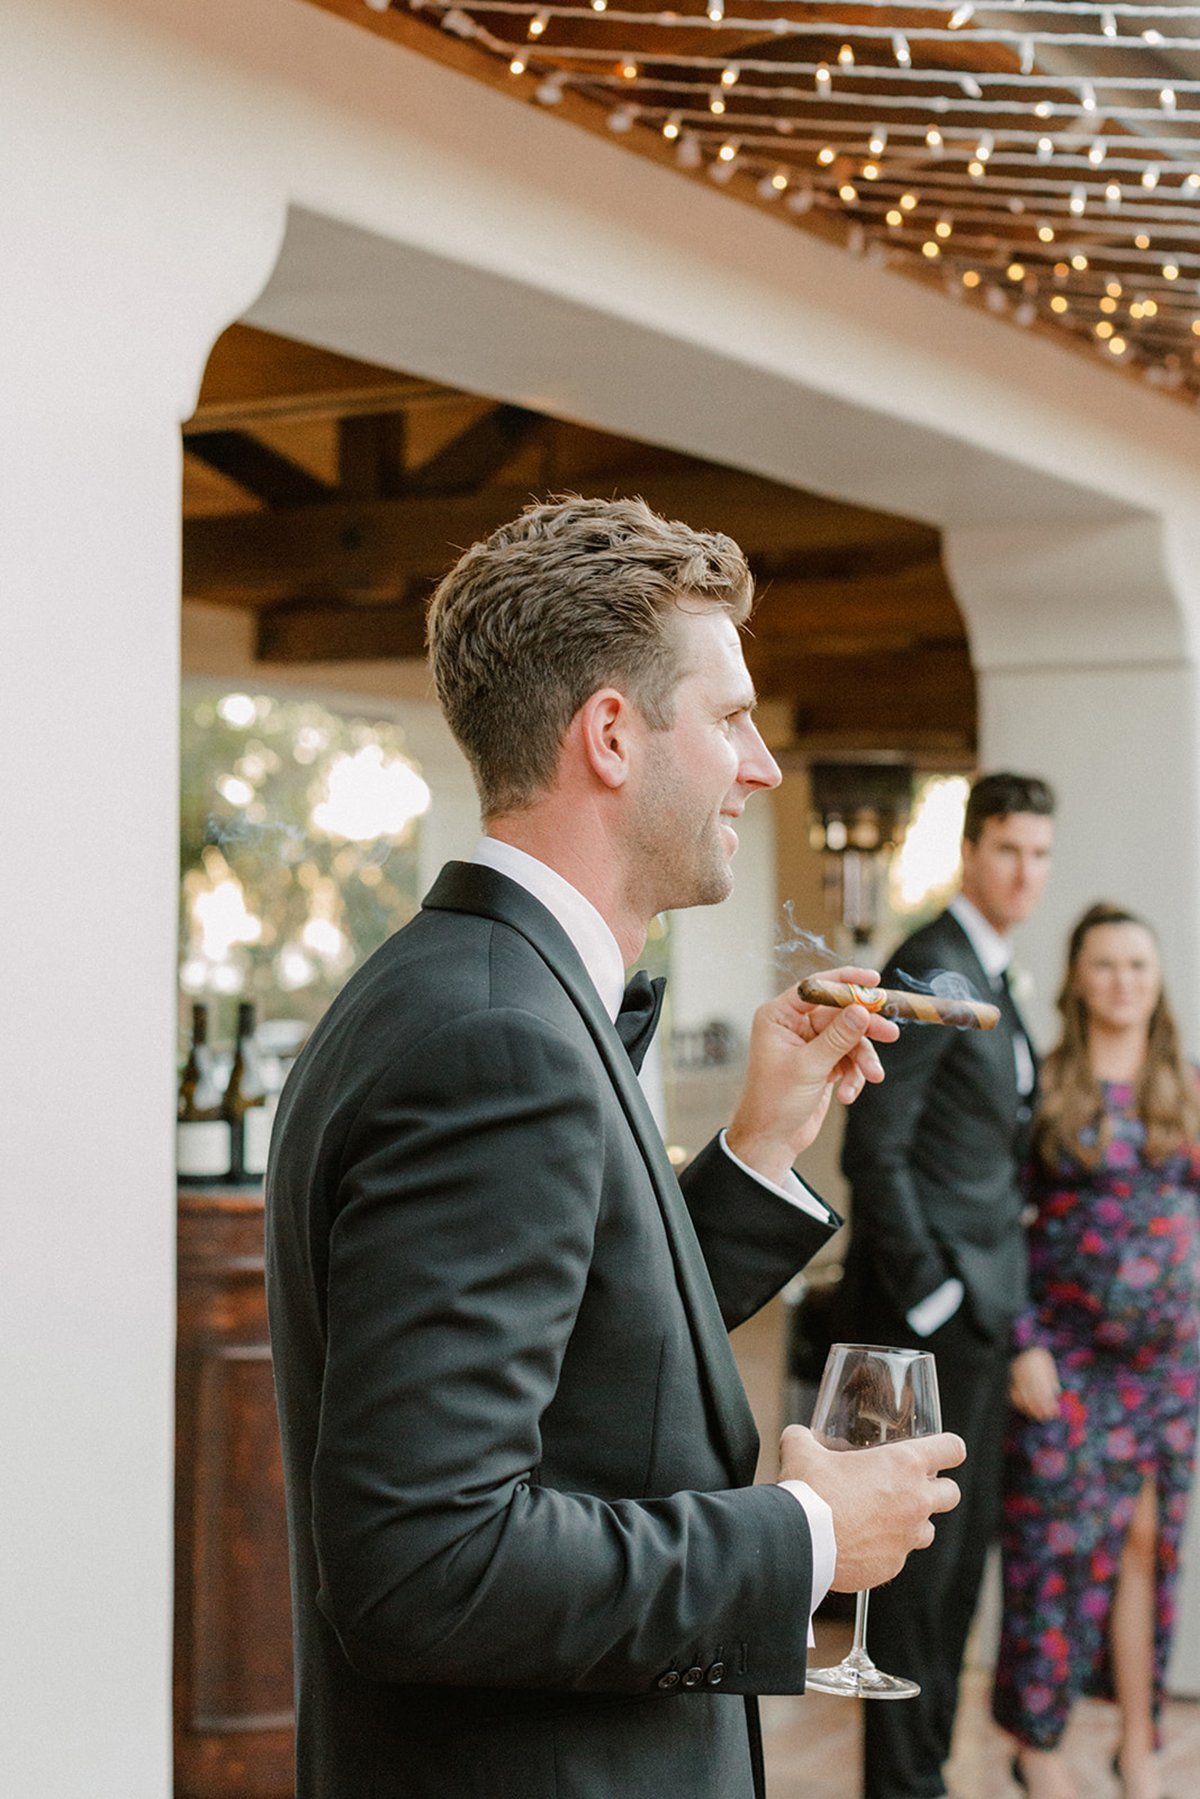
{"x":572,"y":596}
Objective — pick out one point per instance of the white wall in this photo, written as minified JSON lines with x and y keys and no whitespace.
{"x":151,"y":149}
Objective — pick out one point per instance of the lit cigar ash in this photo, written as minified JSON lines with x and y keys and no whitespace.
{"x":924,"y":1008}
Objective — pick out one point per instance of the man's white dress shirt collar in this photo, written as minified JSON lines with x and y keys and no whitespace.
{"x":588,"y":931}
{"x":993,"y":949}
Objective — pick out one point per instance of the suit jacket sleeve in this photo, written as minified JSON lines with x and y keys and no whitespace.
{"x":881,"y":1130}
{"x":468,"y":1207}
{"x":753,"y":1240}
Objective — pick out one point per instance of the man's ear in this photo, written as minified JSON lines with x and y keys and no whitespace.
{"x":605,"y":724}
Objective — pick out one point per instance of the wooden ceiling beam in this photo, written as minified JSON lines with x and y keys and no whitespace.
{"x":249,"y":559}
{"x":269,"y":476}
{"x":337,"y":633}
{"x":479,"y":453}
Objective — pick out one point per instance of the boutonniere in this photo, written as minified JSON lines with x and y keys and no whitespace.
{"x":1021,"y":984}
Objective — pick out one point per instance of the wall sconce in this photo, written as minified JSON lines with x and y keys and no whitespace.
{"x":859,"y":813}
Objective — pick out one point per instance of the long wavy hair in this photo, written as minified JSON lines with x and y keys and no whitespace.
{"x":1071,"y":1119}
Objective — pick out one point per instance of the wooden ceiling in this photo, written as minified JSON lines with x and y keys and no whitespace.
{"x":326,"y":497}
{"x":1040,"y":161}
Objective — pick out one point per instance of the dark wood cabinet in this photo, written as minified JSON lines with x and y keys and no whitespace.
{"x":233,"y":1656}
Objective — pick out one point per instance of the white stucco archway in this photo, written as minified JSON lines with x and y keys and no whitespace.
{"x":156,"y":154}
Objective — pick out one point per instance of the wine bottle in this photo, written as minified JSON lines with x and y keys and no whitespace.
{"x":244,"y":1104}
{"x":202,"y":1135}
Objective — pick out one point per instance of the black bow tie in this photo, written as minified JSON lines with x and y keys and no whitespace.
{"x":638,"y":1017}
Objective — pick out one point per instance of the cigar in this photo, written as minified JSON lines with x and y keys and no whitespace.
{"x":926,"y":1008}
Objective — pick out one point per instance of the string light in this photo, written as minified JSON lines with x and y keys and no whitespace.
{"x":1150,"y":167}
{"x":971,"y":277}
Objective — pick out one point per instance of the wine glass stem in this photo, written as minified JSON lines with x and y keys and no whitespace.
{"x":858,"y":1652}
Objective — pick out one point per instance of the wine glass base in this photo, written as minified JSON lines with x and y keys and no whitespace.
{"x":847,"y":1681}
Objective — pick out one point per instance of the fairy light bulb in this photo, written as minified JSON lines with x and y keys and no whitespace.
{"x":629,"y":70}
{"x":826,"y":155}
{"x":1045,"y":149}
{"x":1046,"y":234}
{"x":933,"y":139}
{"x":848,"y":192}
{"x":976,"y":169}
{"x":1142,"y":241}
{"x":971,"y":277}
{"x":621,"y":119}
{"x":779,"y":181}
{"x":985,"y":146}
{"x":715,"y":10}
{"x":846,"y":56}
{"x":878,"y":144}
{"x":1027,"y":56}
{"x":671,"y":127}
{"x":1170,"y":271}
{"x":1109,"y":23}
{"x":1096,"y":153}
{"x":1087,"y":97}
{"x":901,"y":50}
{"x":1192,"y":182}
{"x":516,"y":66}
{"x":1150,"y":177}
{"x":870,"y":171}
{"x":538,"y":24}
{"x":894,"y":217}
{"x":727,"y":152}
{"x":961,"y":16}
{"x":1167,"y":99}
{"x":1044,"y":109}
{"x":729,"y":76}
{"x":943,"y":228}
{"x":716,"y":105}
{"x":1078,"y":201}
{"x":1079,"y":263}
{"x":1153,"y":38}
{"x":1117,"y":345}
{"x":907,"y":202}
{"x":1015,"y":271}
{"x":823,"y":78}
{"x":1059,"y":303}
{"x":931,"y":249}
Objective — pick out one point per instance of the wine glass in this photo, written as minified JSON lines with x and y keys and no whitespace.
{"x":869,"y":1396}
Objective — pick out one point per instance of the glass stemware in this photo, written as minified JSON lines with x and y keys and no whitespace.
{"x":870,"y":1395}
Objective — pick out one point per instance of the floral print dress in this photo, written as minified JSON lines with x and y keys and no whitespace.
{"x":1113,"y":1284}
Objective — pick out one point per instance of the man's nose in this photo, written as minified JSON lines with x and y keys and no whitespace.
{"x":759,"y":767}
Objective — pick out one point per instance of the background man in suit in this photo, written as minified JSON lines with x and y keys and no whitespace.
{"x":527,"y":1562}
{"x":937,"y":1252}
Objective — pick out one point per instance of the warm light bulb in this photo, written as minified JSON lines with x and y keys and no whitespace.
{"x":1117,"y":345}
{"x":895,"y":217}
{"x":870,"y":171}
{"x":1096,"y":153}
{"x":1149,"y":309}
{"x":537,"y":24}
{"x":943,"y":228}
{"x":716,"y":105}
{"x":1016,"y":271}
{"x":1045,"y":148}
{"x":1079,"y":263}
{"x":848,"y":193}
{"x":1112,"y":194}
{"x":1059,"y":303}
{"x":1113,"y":289}
{"x":878,"y":145}
{"x":1150,"y":177}
{"x":729,"y":77}
{"x":901,"y":50}
{"x":1109,"y":27}
{"x":933,"y":138}
{"x":727,"y":152}
{"x":961,"y":16}
{"x":516,"y":66}
{"x":971,"y":277}
{"x":826,"y":156}
{"x":671,"y":127}
{"x":1104,"y":329}
{"x":1046,"y":233}
{"x":1107,"y":304}
{"x":930,"y":249}
{"x":779,"y":181}
{"x":1142,"y":241}
{"x":823,"y":76}
{"x":977,"y":169}
{"x":1170,"y":271}
{"x":846,"y":56}
{"x":629,"y":70}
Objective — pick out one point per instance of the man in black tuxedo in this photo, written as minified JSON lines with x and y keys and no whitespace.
{"x":527,"y":1559}
{"x":937,"y":1253}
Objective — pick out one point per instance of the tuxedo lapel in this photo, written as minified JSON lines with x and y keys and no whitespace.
{"x":962,"y":956}
{"x":471,"y":887}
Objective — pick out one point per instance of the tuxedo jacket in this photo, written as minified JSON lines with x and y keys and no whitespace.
{"x":527,"y":1561}
{"x":933,"y":1156}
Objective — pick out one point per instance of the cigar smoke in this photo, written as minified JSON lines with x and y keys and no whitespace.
{"x":799,"y":952}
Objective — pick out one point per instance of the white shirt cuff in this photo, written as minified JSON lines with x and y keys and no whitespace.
{"x":793,"y":1189}
{"x":937,"y":1308}
{"x":824,"y":1543}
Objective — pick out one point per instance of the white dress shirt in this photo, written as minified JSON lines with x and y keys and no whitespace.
{"x":601,"y":956}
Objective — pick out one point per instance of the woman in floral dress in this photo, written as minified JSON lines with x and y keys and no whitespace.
{"x":1105,"y":1375}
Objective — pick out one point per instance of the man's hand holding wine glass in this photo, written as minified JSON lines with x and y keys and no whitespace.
{"x":883,"y":1504}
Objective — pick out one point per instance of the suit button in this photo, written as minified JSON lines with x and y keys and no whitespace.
{"x":693,"y":1677}
{"x":716,"y":1674}
{"x":668,"y":1680}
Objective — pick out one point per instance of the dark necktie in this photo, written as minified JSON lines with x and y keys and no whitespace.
{"x":638,"y":1017}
